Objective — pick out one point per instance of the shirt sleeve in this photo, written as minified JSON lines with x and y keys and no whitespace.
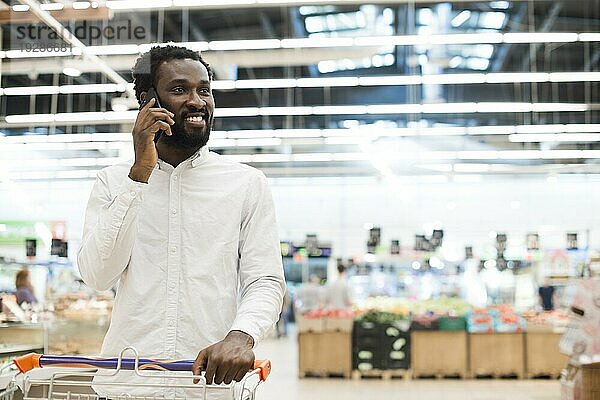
{"x":109,"y":231}
{"x":262,"y":282}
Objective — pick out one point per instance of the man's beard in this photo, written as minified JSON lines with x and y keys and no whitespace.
{"x":181,"y":138}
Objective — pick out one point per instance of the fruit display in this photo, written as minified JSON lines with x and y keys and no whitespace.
{"x":393,"y":305}
{"x":450,"y":306}
{"x":500,"y":319}
{"x":547,"y":321}
{"x":382,"y":317}
{"x":330,"y":313}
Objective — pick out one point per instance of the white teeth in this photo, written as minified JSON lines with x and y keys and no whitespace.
{"x":194,"y":119}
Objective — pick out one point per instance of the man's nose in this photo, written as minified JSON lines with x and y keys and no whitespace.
{"x":195,"y":100}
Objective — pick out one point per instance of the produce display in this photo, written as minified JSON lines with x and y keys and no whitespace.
{"x":445,"y":314}
{"x":548,"y":321}
{"x":450,"y":306}
{"x":382,"y":317}
{"x":330,"y":313}
{"x":499,"y":319}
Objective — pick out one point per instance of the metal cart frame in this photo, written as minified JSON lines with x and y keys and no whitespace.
{"x":63,"y":385}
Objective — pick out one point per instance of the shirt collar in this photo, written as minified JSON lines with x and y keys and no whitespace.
{"x":200,"y":156}
{"x":195,"y":159}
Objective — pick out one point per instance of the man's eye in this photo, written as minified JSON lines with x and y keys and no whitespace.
{"x":204,"y":90}
{"x":178,"y":90}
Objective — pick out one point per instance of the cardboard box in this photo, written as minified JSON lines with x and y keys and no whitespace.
{"x":339,"y":324}
{"x":542,"y":354}
{"x":497,"y":354}
{"x":441,"y":353}
{"x":304,"y":324}
{"x":325,"y":353}
{"x":590,"y":382}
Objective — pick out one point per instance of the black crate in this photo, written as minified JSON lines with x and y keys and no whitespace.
{"x":395,"y":352}
{"x":372,"y":356}
{"x":387,"y":344}
{"x":362,"y":329}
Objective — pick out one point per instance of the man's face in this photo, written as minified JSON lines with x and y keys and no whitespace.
{"x":183,"y":88}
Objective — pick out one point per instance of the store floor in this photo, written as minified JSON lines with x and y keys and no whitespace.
{"x":283,"y":384}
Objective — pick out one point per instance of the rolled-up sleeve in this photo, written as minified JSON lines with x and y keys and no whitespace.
{"x":109,"y":231}
{"x":262,"y":282}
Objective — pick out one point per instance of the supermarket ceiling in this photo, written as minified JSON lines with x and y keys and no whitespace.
{"x":314,"y":88}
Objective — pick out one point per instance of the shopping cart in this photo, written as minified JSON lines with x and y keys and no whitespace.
{"x":74,"y":379}
{"x":8,"y":386}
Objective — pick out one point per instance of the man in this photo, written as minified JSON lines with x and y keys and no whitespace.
{"x":337,"y":292}
{"x":191,"y":235}
{"x":547,"y":295}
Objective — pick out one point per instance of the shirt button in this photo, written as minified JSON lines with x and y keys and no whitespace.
{"x":132,"y":193}
{"x":172,"y":285}
{"x":173,"y":211}
{"x":171,"y":322}
{"x":173,"y":249}
{"x":175,"y":177}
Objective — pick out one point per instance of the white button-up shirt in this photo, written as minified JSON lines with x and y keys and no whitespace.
{"x":196,"y":250}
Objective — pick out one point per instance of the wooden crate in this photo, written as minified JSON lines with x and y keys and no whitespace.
{"x":439,"y":353}
{"x":325,"y":353}
{"x":338,"y":324}
{"x":304,"y":324}
{"x":497,"y":354}
{"x":542,"y":356}
{"x":590,"y":382}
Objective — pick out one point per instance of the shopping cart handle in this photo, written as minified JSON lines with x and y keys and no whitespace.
{"x":32,"y":360}
{"x":264,"y":367}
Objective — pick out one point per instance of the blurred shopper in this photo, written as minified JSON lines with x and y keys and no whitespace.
{"x":190,"y":234}
{"x":337,"y":293}
{"x":310,"y":296}
{"x":24,"y":293}
{"x":547,"y":295}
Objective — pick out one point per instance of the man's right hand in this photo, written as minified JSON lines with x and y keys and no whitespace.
{"x":149,"y":121}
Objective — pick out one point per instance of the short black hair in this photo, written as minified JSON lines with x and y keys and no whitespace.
{"x":146,"y":67}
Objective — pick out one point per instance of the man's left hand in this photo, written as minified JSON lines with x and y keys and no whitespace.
{"x":226,"y":361}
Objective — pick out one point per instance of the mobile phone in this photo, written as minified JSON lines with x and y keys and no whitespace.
{"x":151,"y":94}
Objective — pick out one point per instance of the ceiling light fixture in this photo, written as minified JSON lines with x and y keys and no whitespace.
{"x":74,"y":72}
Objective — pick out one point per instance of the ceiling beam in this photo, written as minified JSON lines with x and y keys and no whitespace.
{"x":8,"y":16}
{"x":138,"y":5}
{"x":544,"y":27}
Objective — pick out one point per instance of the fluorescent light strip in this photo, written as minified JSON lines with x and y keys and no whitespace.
{"x":30,"y":90}
{"x":540,"y":37}
{"x":273,"y":137}
{"x":589,"y":37}
{"x":259,"y":44}
{"x":555,"y":137}
{"x":52,"y":6}
{"x":376,"y":41}
{"x":138,"y":4}
{"x":449,"y":108}
{"x":23,"y":164}
{"x":442,"y":79}
{"x":428,"y":155}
